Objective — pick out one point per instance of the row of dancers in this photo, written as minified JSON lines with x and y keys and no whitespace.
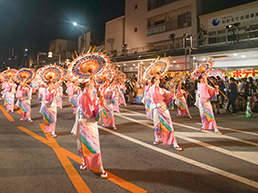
{"x":93,"y":102}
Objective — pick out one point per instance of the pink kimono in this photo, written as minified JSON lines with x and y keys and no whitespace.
{"x":181,"y":103}
{"x":23,"y":94}
{"x":86,"y":129}
{"x":49,"y":110}
{"x":8,"y":95}
{"x":159,"y":113}
{"x":207,"y":93}
{"x":107,"y":113}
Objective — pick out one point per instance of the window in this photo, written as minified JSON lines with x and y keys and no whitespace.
{"x":184,"y":20}
{"x":153,"y":4}
{"x":159,"y":22}
{"x":135,"y":29}
{"x":136,"y":7}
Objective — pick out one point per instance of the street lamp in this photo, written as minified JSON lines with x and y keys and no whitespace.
{"x":75,"y":24}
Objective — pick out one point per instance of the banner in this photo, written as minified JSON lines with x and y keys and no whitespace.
{"x":172,"y":74}
{"x":242,"y":73}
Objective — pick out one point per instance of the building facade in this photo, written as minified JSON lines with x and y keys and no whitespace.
{"x":152,"y":28}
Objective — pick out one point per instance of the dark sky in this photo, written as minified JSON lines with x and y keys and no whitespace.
{"x":34,"y":23}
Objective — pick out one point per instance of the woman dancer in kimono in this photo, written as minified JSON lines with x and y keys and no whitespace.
{"x":107,"y":106}
{"x":181,"y":97}
{"x":205,"y":94}
{"x":114,"y":86}
{"x":9,"y":88}
{"x":146,"y":100}
{"x":23,"y":94}
{"x":74,"y":94}
{"x":86,"y":130}
{"x":49,"y":108}
{"x":159,"y":113}
{"x":121,"y":91}
{"x":59,"y":95}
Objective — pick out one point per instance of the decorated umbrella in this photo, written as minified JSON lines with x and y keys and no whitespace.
{"x":106,"y":74}
{"x":177,"y":79}
{"x":157,"y":68}
{"x":119,"y":76}
{"x":50,"y":72}
{"x":7,"y":74}
{"x":82,"y":68}
{"x":201,"y":70}
{"x":24,"y":75}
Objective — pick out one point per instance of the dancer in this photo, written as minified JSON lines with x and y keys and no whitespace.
{"x":49,"y":108}
{"x":107,"y":106}
{"x":206,"y":94}
{"x":74,"y":94}
{"x":146,"y":100}
{"x":8,"y":92}
{"x":23,"y":94}
{"x":59,"y":95}
{"x":159,"y":113}
{"x":121,"y":91}
{"x":86,"y":130}
{"x":181,"y":97}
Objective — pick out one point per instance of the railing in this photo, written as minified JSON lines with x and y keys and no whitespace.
{"x":167,"y":26}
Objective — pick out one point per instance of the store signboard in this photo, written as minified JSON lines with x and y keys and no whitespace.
{"x":242,"y":73}
{"x":246,"y":15}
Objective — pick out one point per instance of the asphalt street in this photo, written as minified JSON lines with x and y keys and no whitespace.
{"x":32,"y":161}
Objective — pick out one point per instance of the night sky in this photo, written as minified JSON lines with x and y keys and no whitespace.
{"x":34,"y":23}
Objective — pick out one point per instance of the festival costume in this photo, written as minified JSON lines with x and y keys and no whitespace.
{"x":159,"y":113}
{"x":74,"y":94}
{"x":146,"y":101}
{"x":59,"y":94}
{"x":49,"y":110}
{"x":86,"y":130}
{"x":107,"y":113}
{"x":181,"y":102}
{"x":8,"y":94}
{"x":23,"y":94}
{"x":206,"y":94}
{"x":121,"y":97}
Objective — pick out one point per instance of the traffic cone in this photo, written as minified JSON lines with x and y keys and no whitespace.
{"x":248,"y":111}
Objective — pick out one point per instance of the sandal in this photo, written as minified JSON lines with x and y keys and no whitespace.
{"x":155,"y":142}
{"x":104,"y":175}
{"x":83,"y":166}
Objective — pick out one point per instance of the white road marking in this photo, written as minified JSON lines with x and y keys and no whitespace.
{"x":183,"y":135}
{"x":235,"y":130}
{"x":187,"y":160}
{"x":198,"y":129}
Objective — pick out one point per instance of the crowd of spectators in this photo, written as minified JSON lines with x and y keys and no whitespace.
{"x":234,"y":94}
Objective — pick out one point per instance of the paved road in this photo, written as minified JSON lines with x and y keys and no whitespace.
{"x":34,"y":162}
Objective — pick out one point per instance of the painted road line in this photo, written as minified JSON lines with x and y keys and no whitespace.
{"x":214,"y":134}
{"x":7,"y":115}
{"x":207,"y":145}
{"x":221,"y":136}
{"x":72,"y":173}
{"x":111,"y":177}
{"x":74,"y":176}
{"x":186,"y":160}
{"x":235,"y":130}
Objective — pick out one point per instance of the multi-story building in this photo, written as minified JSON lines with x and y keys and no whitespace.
{"x":230,"y":36}
{"x":62,"y":48}
{"x":152,"y":28}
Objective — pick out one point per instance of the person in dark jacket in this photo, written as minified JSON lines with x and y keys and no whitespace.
{"x":232,"y":94}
